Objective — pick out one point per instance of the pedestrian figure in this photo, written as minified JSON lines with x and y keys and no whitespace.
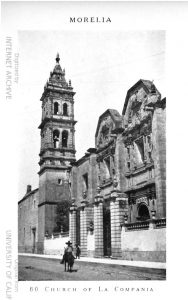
{"x":78,"y":251}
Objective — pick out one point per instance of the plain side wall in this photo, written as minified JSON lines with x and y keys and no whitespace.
{"x":50,"y":193}
{"x":27,"y":221}
{"x":148,"y":245}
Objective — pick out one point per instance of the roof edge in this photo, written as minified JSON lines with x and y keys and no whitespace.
{"x":28,"y":194}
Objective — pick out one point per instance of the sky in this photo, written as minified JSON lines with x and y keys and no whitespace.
{"x":102,"y":67}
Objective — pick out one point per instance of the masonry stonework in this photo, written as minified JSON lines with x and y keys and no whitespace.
{"x":125,"y":179}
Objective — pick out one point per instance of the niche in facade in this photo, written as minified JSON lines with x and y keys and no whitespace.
{"x":139,"y":148}
{"x":65,"y":109}
{"x":56,"y":108}
{"x":85,"y":182}
{"x":107,"y":167}
{"x":143,"y":213}
{"x":56,"y":138}
{"x":64,"y":138}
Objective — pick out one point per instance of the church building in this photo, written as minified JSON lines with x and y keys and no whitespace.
{"x":57,"y":151}
{"x":117,"y":190}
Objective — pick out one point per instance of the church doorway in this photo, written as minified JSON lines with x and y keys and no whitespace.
{"x":107,"y":230}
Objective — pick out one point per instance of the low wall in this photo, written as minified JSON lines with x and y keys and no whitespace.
{"x":146,"y":245}
{"x":55,"y":245}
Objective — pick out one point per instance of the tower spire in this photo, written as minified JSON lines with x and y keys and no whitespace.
{"x":57,"y":58}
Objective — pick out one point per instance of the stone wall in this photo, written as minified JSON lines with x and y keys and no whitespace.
{"x":87,"y":166}
{"x":28,"y":222}
{"x":144,"y":245}
{"x":51,"y":190}
{"x":90,"y":244}
{"x":55,"y":245}
{"x":159,"y":153}
{"x":50,"y":193}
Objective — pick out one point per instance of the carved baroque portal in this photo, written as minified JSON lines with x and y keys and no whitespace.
{"x":138,"y":132}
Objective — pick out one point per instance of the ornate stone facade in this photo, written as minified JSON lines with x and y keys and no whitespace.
{"x":122,"y":180}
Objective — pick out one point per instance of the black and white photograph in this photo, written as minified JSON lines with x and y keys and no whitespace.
{"x":85,"y":128}
{"x":104,"y":204}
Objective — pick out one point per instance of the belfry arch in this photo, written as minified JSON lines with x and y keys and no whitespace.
{"x":65,"y":109}
{"x":56,"y":108}
{"x":65,"y":138}
{"x":56,"y":138}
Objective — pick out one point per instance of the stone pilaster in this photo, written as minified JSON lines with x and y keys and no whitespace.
{"x":98,"y":225}
{"x":118,"y":207}
{"x":83,"y":229}
{"x":159,"y":157}
{"x":72,"y":223}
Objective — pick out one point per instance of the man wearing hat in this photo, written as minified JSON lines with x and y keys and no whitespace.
{"x":78,"y":251}
{"x":69,"y":248}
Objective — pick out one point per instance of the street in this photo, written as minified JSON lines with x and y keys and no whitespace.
{"x":38,"y":269}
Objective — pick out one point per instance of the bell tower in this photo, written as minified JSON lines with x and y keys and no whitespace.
{"x":57,"y":148}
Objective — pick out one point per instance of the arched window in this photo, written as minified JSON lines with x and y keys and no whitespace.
{"x":56,"y":138}
{"x":65,"y":109}
{"x":143,"y":212}
{"x":64,"y":138}
{"x":56,"y":108}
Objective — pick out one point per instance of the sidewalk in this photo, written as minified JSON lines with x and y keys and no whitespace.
{"x":143,"y":264}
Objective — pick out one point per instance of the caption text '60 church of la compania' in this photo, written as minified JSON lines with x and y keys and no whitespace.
{"x":117,"y":190}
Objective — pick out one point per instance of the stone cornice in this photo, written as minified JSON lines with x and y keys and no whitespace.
{"x":140,"y":170}
{"x":52,"y":168}
{"x":61,"y":150}
{"x":106,"y":183}
{"x":73,"y":208}
{"x":98,"y":200}
{"x":56,"y":89}
{"x":81,"y":160}
{"x":140,"y":225}
{"x":140,"y":186}
{"x":48,"y":203}
{"x":54,"y":120}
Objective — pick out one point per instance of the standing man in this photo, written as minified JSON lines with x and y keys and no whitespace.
{"x":78,"y":251}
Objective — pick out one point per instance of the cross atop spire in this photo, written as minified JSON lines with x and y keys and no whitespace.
{"x":57,"y":58}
